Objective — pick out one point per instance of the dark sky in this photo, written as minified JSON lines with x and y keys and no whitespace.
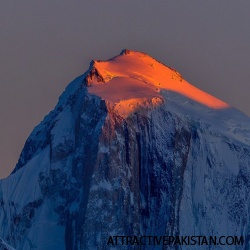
{"x":45,"y":44}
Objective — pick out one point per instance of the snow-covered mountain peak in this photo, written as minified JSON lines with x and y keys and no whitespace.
{"x":134,"y":74}
{"x":134,"y":81}
{"x":131,"y":148}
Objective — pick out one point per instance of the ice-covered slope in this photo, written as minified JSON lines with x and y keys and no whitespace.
{"x":130,"y":149}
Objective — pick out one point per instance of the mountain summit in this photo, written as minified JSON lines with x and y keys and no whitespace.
{"x":131,"y":149}
{"x":135,"y":75}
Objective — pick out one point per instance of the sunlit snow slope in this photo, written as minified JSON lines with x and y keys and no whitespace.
{"x":137,"y":75}
{"x":130,"y":149}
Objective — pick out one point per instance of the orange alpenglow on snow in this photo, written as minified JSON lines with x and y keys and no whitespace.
{"x":133,"y":75}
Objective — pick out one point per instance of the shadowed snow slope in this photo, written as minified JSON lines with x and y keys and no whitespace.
{"x":130,"y":149}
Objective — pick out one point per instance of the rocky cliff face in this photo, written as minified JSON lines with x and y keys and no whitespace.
{"x":126,"y":153}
